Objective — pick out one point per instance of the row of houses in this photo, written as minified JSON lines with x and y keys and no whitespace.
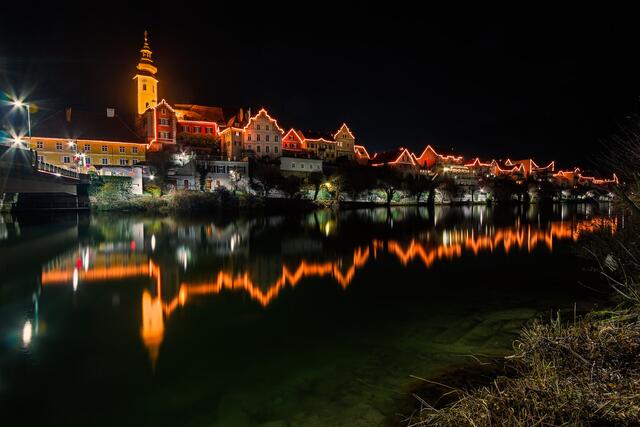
{"x":225,"y":138}
{"x":470,"y":172}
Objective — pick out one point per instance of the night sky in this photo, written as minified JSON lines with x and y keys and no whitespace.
{"x":519,"y":83}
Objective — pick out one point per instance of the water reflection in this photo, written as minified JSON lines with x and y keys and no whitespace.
{"x":261,"y":257}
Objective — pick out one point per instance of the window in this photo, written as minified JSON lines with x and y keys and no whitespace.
{"x":164,"y":122}
{"x":104,"y":161}
{"x":87,"y":147}
{"x":249,"y":137}
{"x":276,"y":138}
{"x":301,"y":165}
{"x":87,"y":160}
{"x":293,"y":165}
{"x":164,"y":135}
{"x":266,"y":137}
{"x":134,"y":150}
{"x":163,"y":111}
{"x":134,"y":161}
{"x":258,"y":137}
{"x":196,"y":129}
{"x":258,"y":127}
{"x":209,"y":130}
{"x":275,"y":150}
{"x":258,"y":148}
{"x":124,"y":162}
{"x":266,"y":149}
{"x":105,"y":148}
{"x":39,"y":145}
{"x":122,"y":149}
{"x":58,"y":145}
{"x":41,"y":159}
{"x":185,"y":128}
{"x":66,"y":159}
{"x":237,"y":133}
{"x":267,"y":127}
{"x":291,"y":138}
{"x":144,"y":87}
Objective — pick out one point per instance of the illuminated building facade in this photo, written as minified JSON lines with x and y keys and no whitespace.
{"x":345,"y":143}
{"x":84,"y":141}
{"x":263,"y":136}
{"x":159,"y":127}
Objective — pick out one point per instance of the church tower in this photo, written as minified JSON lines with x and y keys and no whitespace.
{"x":147,"y":84}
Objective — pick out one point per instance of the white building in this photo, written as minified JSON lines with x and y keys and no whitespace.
{"x":133,"y":172}
{"x":299,"y":165}
{"x":231,"y":175}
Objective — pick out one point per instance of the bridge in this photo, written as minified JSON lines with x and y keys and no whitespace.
{"x":28,"y":184}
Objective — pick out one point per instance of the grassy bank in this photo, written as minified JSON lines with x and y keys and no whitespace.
{"x":578,"y":372}
{"x":183,"y":202}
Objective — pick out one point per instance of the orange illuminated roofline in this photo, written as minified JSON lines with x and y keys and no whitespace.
{"x":344,"y":126}
{"x":271,"y":119}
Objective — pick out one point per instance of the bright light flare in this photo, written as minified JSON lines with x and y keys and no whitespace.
{"x":27,"y":333}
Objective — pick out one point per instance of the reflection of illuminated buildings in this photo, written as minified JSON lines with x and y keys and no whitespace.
{"x":264,"y":278}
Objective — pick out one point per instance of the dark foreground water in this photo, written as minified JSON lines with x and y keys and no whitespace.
{"x":314,"y":319}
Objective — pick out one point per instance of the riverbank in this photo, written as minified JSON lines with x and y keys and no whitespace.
{"x":582,"y":371}
{"x":201,"y":202}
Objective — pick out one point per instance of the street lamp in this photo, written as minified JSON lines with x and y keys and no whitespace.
{"x":19,"y":104}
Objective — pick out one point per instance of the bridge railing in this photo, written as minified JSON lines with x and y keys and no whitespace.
{"x":48,"y":167}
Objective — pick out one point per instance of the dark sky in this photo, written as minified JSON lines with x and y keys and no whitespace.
{"x":548,"y":84}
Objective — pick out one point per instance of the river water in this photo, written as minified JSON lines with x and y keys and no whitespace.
{"x":306,"y":319}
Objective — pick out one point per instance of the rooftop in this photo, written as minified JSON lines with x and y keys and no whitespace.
{"x":72,"y":124}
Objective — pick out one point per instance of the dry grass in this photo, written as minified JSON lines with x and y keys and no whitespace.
{"x":583,"y":374}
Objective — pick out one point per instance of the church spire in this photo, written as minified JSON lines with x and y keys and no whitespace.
{"x":146,"y":63}
{"x":147,"y":83}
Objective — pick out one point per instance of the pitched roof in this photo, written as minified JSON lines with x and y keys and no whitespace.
{"x":200,"y":112}
{"x":390,"y":156}
{"x":85,"y":125}
{"x":311,"y":134}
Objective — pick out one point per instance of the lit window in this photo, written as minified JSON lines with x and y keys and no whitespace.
{"x":185,"y":128}
{"x":209,"y":130}
{"x":105,"y":148}
{"x":196,"y":129}
{"x":291,"y":138}
{"x":104,"y":161}
{"x":58,"y":145}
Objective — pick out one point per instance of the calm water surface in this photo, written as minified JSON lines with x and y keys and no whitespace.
{"x":283,"y":320}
